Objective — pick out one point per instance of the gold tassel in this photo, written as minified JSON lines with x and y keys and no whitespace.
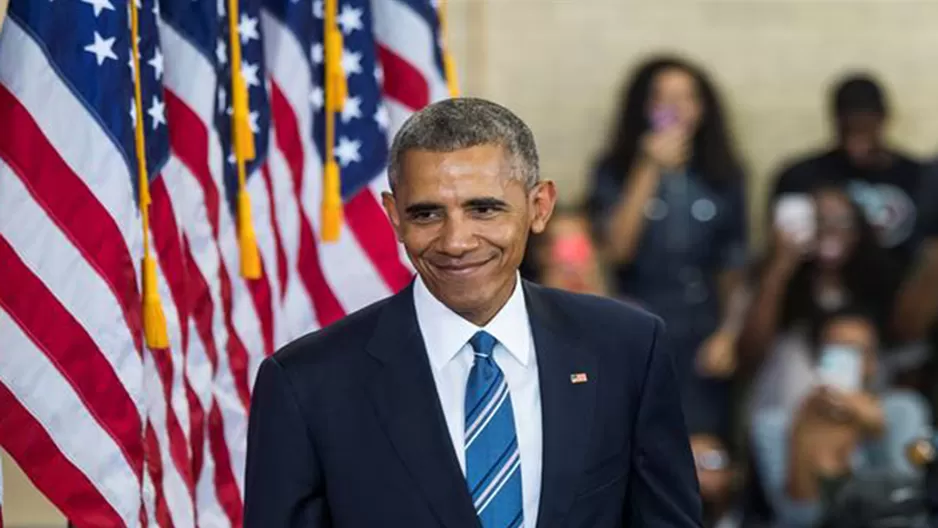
{"x":244,"y":149}
{"x":336,"y":93}
{"x":449,"y":64}
{"x":331,"y":203}
{"x":154,"y":320}
{"x":247,"y":239}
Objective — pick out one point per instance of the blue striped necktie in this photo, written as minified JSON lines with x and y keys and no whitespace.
{"x":493,"y":461}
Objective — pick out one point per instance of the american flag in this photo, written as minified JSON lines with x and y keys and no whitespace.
{"x":115,"y":429}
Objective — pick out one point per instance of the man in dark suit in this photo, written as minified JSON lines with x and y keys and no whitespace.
{"x":471,"y":398}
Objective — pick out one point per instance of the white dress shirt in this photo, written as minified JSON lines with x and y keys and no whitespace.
{"x":446,"y":336}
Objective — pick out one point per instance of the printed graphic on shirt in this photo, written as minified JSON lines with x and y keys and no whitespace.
{"x":888,"y":209}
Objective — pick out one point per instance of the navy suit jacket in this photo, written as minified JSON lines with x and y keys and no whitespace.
{"x":346,"y":428}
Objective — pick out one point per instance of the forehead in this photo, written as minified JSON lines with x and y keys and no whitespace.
{"x":483,"y":170}
{"x":674,"y":80}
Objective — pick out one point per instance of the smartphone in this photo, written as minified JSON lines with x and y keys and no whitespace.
{"x":663,"y":117}
{"x":796,"y":215}
{"x":841,"y":366}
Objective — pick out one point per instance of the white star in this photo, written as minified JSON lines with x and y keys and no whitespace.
{"x":352,"y":109}
{"x":382,"y":117}
{"x":222,"y":97}
{"x":317,"y":9}
{"x":316,"y":97}
{"x":100,"y":5}
{"x":347,"y":151}
{"x":157,"y":63}
{"x":249,"y":72}
{"x":133,"y":111}
{"x":379,"y":74}
{"x":351,"y":62}
{"x":221,"y":52}
{"x":252,"y":122}
{"x":248,"y":29}
{"x":231,"y":157}
{"x":130,"y":63}
{"x":157,"y":112}
{"x":316,"y":52}
{"x":228,"y":110}
{"x":102,"y":48}
{"x":220,"y":8}
{"x":350,"y":19}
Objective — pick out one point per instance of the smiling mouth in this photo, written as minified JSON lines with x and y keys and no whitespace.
{"x":461,"y":268}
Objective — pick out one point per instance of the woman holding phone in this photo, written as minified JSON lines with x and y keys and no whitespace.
{"x":667,"y":203}
{"x":814,"y":268}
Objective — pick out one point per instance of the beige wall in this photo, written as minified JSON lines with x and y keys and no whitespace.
{"x":23,"y":506}
{"x":560,"y":65}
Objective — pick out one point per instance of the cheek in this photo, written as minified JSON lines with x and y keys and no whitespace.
{"x":417,"y":239}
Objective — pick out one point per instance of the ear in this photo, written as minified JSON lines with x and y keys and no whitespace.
{"x":542,"y":199}
{"x":390,"y":207}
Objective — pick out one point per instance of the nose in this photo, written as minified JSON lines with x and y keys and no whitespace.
{"x":458,"y":237}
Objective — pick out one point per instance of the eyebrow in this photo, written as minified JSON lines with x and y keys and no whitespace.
{"x":490,"y":202}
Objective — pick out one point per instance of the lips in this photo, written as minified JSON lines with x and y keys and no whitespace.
{"x":460,"y":268}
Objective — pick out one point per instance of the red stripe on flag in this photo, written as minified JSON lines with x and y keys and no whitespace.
{"x":287,"y":135}
{"x":202,"y":306}
{"x":76,"y":356}
{"x":402,"y":81}
{"x":368,"y":221}
{"x":201,"y":311}
{"x":51,"y":472}
{"x":155,"y":469}
{"x":237,"y":353}
{"x":264,"y":303}
{"x":226,"y":488}
{"x":188,"y":138}
{"x":275,"y":225}
{"x":178,"y":447}
{"x":69,"y":203}
{"x":166,"y":239}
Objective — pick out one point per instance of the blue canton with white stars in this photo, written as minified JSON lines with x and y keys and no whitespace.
{"x":88,"y":42}
{"x":255,"y":79}
{"x":361,"y":148}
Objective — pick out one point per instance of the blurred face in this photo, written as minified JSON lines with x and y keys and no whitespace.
{"x":464,"y":221}
{"x":857,"y":333}
{"x":675,"y":91}
{"x":569,"y":260}
{"x":861,"y":136}
{"x":837,"y":232}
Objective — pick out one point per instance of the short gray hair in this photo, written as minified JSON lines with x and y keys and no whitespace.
{"x":464,"y":122}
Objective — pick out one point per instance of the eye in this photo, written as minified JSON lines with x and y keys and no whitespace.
{"x":485,"y":211}
{"x":424,"y":217}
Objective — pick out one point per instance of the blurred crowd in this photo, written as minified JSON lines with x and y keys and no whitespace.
{"x":806,"y":360}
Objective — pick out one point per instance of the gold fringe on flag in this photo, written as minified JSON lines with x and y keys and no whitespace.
{"x":154,"y":320}
{"x":449,"y":65}
{"x":336,"y":91}
{"x":243,"y":150}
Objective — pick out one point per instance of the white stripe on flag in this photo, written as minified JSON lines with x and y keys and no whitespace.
{"x":33,"y":379}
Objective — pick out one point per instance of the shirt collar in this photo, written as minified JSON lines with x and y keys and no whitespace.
{"x":445,"y":332}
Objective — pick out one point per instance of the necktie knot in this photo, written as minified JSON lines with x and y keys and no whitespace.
{"x":483,"y":343}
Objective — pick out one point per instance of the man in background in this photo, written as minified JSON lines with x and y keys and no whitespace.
{"x":881,"y":178}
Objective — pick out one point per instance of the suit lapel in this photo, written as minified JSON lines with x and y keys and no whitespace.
{"x":566,"y":407}
{"x":405,"y":398}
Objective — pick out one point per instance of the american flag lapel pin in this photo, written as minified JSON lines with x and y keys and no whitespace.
{"x":578,"y":377}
